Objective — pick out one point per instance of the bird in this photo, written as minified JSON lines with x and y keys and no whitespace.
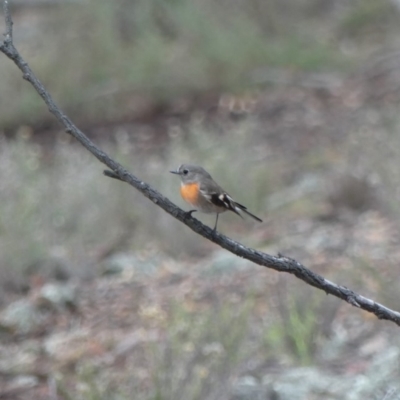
{"x":200,"y":190}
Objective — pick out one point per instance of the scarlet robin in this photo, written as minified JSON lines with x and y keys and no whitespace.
{"x":200,"y":190}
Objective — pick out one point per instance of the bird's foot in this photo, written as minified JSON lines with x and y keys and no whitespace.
{"x":189,"y":213}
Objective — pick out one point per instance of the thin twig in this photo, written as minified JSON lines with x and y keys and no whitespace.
{"x":278,"y":263}
{"x":9,"y":22}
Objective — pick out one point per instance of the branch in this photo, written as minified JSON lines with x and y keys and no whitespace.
{"x":9,"y":24}
{"x":279,"y":263}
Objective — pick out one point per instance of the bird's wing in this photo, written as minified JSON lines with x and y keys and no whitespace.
{"x":216,"y":195}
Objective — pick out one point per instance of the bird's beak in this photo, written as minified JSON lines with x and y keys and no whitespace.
{"x":174,"y":172}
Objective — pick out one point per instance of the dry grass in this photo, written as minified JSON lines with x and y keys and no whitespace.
{"x":94,"y":52}
{"x":57,"y":205}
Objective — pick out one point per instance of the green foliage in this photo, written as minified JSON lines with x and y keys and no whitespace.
{"x":301,"y":329}
{"x":204,"y":348}
{"x":160,"y":49}
{"x":295,"y":331}
{"x":369,"y":17}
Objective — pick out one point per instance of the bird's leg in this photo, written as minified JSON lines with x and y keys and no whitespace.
{"x":190,"y":212}
{"x":216,"y":222}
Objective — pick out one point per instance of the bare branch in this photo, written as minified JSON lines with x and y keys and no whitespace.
{"x":9,"y":23}
{"x":111,"y":174}
{"x":279,"y":263}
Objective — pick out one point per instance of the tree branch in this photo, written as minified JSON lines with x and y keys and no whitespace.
{"x":279,"y":263}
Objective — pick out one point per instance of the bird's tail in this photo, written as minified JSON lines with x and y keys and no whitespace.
{"x":244,"y":209}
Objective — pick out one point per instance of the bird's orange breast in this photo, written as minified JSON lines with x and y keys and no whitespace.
{"x":190,"y":192}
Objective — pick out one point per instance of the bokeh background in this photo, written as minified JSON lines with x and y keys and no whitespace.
{"x":293,"y":106}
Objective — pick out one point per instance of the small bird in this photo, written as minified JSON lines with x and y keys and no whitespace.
{"x":200,"y":190}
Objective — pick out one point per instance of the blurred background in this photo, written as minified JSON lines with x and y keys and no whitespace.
{"x":293,"y":106}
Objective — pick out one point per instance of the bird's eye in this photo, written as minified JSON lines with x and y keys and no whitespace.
{"x":185,"y":172}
